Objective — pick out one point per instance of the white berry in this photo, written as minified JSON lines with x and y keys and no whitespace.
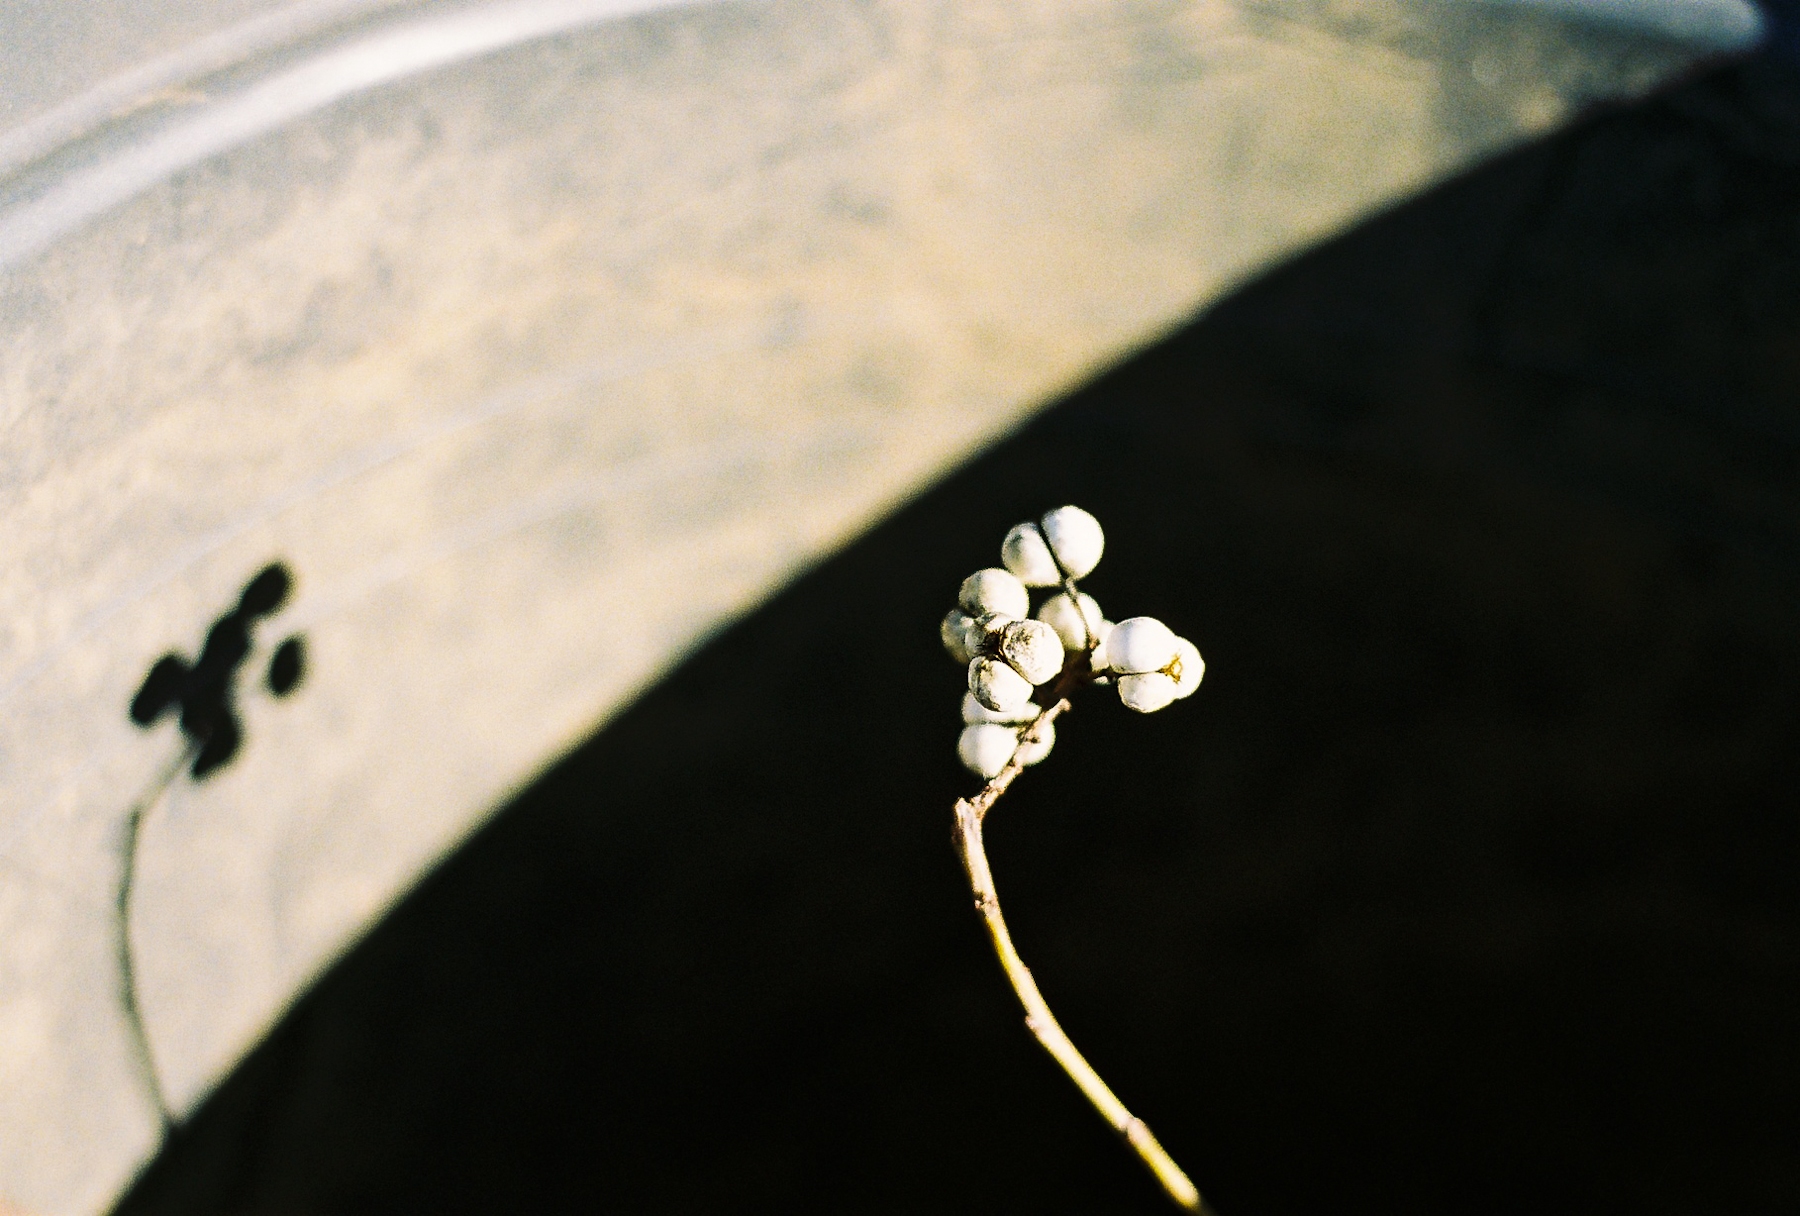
{"x":1188,"y":669}
{"x":985,"y":747}
{"x":997,"y":685}
{"x":954,"y":632}
{"x":1032,"y":649}
{"x":1146,"y":692}
{"x":994,"y":590}
{"x":1076,"y":539}
{"x":1071,"y":623}
{"x":1025,"y":553}
{"x":974,"y":711}
{"x":975,"y":633}
{"x":1140,"y":644}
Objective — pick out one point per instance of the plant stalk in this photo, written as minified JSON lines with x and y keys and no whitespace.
{"x":1038,"y":1018}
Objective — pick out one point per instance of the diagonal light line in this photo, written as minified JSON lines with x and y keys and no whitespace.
{"x":29,"y":226}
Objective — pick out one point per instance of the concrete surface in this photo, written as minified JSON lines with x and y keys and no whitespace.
{"x":1463,"y":884}
{"x":536,"y":361}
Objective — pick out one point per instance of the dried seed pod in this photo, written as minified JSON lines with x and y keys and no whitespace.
{"x":996,"y":685}
{"x":1072,"y":619}
{"x":1075,"y":538}
{"x":1032,"y":649}
{"x":983,"y":636}
{"x":994,"y":590}
{"x":1027,"y":554}
{"x":974,"y":711}
{"x":1147,"y":691}
{"x":1188,"y":668}
{"x":954,"y":633}
{"x":985,"y":747}
{"x":1139,"y":644}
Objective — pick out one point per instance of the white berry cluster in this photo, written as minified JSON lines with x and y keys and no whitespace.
{"x":1010,"y":650}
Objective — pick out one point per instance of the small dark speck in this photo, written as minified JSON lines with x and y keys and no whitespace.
{"x":287,"y":666}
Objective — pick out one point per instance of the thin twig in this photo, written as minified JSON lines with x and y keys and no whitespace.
{"x":128,"y":993}
{"x":1038,"y":1019}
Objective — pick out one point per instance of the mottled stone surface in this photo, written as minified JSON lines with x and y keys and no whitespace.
{"x":538,"y":366}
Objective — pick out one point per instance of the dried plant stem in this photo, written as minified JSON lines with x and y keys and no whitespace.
{"x":1038,"y":1018}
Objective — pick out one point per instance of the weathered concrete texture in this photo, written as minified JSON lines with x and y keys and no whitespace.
{"x":536,"y":368}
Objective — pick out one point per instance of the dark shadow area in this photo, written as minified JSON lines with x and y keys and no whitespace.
{"x":1466,"y":883}
{"x":204,"y":693}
